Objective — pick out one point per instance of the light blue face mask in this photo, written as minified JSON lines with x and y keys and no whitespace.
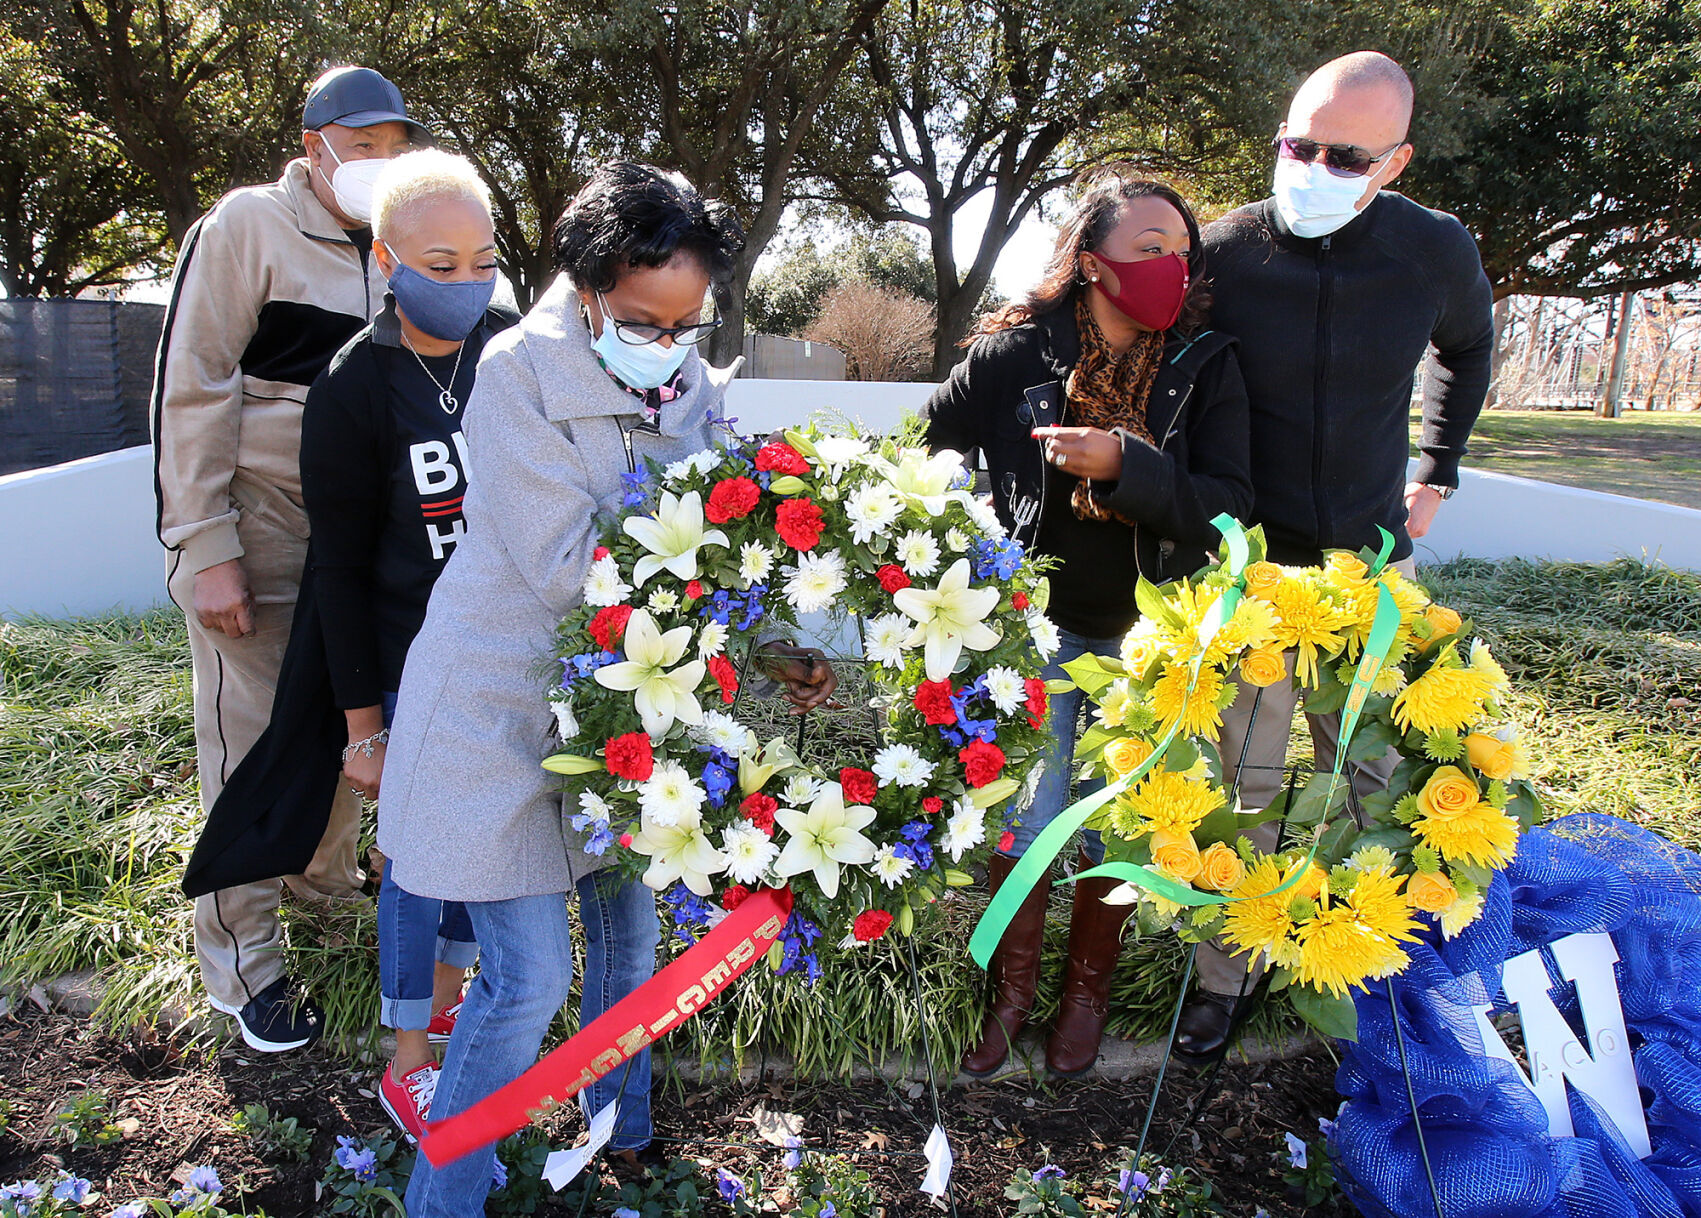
{"x":640,"y":366}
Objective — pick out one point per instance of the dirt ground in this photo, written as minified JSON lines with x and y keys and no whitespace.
{"x":177,"y":1108}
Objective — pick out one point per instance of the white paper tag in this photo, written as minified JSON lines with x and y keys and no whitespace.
{"x":563,"y":1166}
{"x":938,"y":1177}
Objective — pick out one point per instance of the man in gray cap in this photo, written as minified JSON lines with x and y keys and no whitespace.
{"x":268,"y":286}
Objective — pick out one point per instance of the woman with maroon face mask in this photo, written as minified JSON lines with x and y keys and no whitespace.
{"x":1113,"y":423}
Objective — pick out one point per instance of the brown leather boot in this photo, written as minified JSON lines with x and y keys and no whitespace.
{"x":1012,"y":975}
{"x":1095,"y":941}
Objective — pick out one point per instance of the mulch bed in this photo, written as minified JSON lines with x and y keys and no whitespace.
{"x":181,"y":1104}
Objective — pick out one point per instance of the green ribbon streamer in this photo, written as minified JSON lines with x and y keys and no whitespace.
{"x":1037,"y":858}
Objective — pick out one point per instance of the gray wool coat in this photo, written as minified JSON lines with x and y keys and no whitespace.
{"x":467,"y":812}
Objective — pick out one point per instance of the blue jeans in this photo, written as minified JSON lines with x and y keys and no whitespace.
{"x":1058,"y":758}
{"x":521,"y":984}
{"x":414,"y":935}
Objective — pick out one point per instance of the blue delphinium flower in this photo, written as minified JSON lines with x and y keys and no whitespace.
{"x":962,"y":480}
{"x":728,"y":1185}
{"x":796,"y":937}
{"x":1296,"y":1151}
{"x":74,"y":1189}
{"x":634,"y":484}
{"x":601,"y":835}
{"x":717,"y":781}
{"x":690,"y":912}
{"x":754,"y":608}
{"x":997,"y":557}
{"x":1049,"y":1172}
{"x":914,"y":846}
{"x":718,"y":608}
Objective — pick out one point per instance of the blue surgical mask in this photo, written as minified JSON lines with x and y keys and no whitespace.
{"x":640,"y":366}
{"x":1313,"y":201}
{"x":448,"y":311}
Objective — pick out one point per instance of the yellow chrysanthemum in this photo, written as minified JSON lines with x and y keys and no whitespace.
{"x":1260,"y":918}
{"x":1192,"y":603}
{"x":1197,"y":711}
{"x":1483,"y":834}
{"x":1483,"y":662}
{"x":1359,"y":938}
{"x":1311,"y":621}
{"x":1446,"y":698}
{"x":1461,"y":913}
{"x":1167,"y":801}
{"x":1377,"y":900}
{"x":1253,"y":626}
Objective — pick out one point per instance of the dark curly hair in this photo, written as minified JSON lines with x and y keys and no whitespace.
{"x":631,"y":215}
{"x":1096,"y":215}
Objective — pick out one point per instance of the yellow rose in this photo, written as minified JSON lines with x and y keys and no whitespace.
{"x":1492,"y":757}
{"x":1264,"y":666}
{"x":1442,"y":620}
{"x":1262,"y":578}
{"x":1220,"y":868}
{"x":1448,"y":793}
{"x":1350,"y":565}
{"x":1431,"y":892}
{"x":1176,"y":854}
{"x":1126,"y":754}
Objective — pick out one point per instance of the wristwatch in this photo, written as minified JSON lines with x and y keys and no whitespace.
{"x":1446,"y":492}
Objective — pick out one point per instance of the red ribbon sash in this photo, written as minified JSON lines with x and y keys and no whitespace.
{"x":661,"y":1004}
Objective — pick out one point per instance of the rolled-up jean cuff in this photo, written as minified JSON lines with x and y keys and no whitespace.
{"x":405,"y":1014}
{"x":457,"y":953}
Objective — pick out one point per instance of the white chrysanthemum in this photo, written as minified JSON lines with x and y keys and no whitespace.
{"x":755,"y":561}
{"x":982,"y":515}
{"x":886,"y":639}
{"x":890,"y":868}
{"x":1044,"y":634}
{"x":566,"y":724}
{"x":595,"y":806}
{"x":956,"y":540}
{"x":870,"y":508}
{"x":711,"y":639}
{"x":815,"y":581}
{"x":903,"y":765}
{"x":799,"y":790}
{"x":749,"y":852}
{"x":918,"y":553}
{"x":603,"y":585}
{"x":837,"y":453}
{"x":964,"y":830}
{"x":1004,"y":686}
{"x":669,"y":795}
{"x":721,"y":731}
{"x":663,"y":600}
{"x":699,"y":462}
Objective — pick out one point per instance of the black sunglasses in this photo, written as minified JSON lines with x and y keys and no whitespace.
{"x":638,"y":334}
{"x":1342,"y":160}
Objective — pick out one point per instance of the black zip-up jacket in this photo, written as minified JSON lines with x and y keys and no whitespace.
{"x":1331,"y":330}
{"x":1012,"y":382}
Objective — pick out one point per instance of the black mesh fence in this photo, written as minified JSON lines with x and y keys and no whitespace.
{"x":75,"y":376}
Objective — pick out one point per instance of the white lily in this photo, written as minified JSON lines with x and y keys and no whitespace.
{"x":924,"y":481}
{"x":661,"y":696}
{"x":825,"y":837}
{"x":836,"y":453}
{"x":948,"y":618}
{"x":679,"y":851}
{"x":672,"y":537}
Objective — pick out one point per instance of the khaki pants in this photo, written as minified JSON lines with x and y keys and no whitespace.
{"x":238,"y":938}
{"x":1261,"y":779}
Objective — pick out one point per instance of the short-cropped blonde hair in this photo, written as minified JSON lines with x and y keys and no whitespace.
{"x":422,"y":177}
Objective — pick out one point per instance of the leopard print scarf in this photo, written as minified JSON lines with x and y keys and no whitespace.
{"x":1108,"y":391}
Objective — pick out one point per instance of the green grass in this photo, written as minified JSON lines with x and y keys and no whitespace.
{"x":99,"y":808}
{"x":1648,"y":455}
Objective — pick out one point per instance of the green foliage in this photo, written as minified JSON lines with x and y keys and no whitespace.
{"x":1332,"y":1015}
{"x":86,"y":1121}
{"x":523,"y":1157}
{"x":787,"y":298}
{"x":1046,"y":1192}
{"x":366,"y":1180}
{"x":675,"y":1191}
{"x":1163,"y":1192}
{"x":1308,"y":1169}
{"x":832,"y":1184}
{"x":275,"y":1137}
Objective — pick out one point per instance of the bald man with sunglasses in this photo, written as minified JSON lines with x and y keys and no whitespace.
{"x":1337,"y":288}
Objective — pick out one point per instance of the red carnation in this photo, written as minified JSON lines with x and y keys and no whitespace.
{"x":1005,"y":841}
{"x":694,"y":590}
{"x":732,"y":499}
{"x":781,"y":458}
{"x":859,"y":785}
{"x":629,"y":756}
{"x":870,"y":925}
{"x":600,"y":553}
{"x":799,"y":523}
{"x":759,"y":810}
{"x":1037,"y":701}
{"x":933,"y":805}
{"x":933,"y":700}
{"x":1020,"y":600}
{"x":720,"y":668}
{"x":626,"y":840}
{"x":892,"y":577}
{"x":609,"y":625}
{"x":982,"y":762}
{"x":733,"y":897}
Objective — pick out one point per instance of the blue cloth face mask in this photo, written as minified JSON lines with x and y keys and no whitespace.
{"x":448,"y":311}
{"x":1313,"y":201}
{"x":638,"y":365}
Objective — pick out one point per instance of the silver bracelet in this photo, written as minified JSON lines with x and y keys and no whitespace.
{"x":382,"y":736}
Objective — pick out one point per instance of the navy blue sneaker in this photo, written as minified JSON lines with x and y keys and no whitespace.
{"x":277,"y":1019}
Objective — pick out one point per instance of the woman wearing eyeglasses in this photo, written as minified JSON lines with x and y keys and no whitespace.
{"x":597,"y":379}
{"x":1114,"y":425}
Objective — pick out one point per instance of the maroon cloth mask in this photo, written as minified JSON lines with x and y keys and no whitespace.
{"x":1150,"y":291}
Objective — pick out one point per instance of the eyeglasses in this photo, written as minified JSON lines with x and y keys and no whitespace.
{"x":638,"y":334}
{"x":1342,"y":160}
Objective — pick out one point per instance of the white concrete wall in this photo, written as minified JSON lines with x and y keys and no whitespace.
{"x":79,"y":538}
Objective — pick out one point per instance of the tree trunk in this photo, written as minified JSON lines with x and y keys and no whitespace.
{"x":1620,"y":347}
{"x":1502,"y":310}
{"x":727,"y":343}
